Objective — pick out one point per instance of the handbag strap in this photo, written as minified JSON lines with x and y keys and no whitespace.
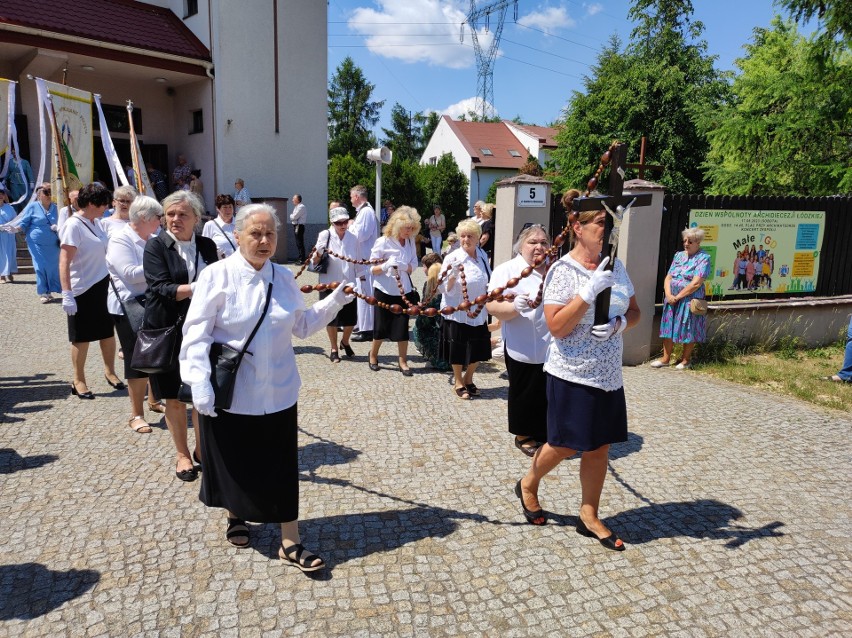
{"x":222,"y":230}
{"x":259,"y":321}
{"x":117,"y":296}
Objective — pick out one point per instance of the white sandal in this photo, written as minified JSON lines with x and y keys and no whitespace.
{"x":659,"y":364}
{"x":140,"y":428}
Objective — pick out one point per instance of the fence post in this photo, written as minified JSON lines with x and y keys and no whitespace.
{"x":639,"y":249}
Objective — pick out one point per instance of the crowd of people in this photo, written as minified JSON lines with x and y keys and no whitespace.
{"x":152,"y":269}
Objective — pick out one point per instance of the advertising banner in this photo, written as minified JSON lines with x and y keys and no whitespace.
{"x":760,"y":251}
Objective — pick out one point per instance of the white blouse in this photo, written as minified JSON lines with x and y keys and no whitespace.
{"x":228,"y":300}
{"x":222,"y":234}
{"x":526,"y":337}
{"x":124,"y":263}
{"x":577,"y":357}
{"x":404,"y":255}
{"x":476,"y":274}
{"x":338,"y":270}
{"x":187,"y":250}
{"x":113,"y":225}
{"x":88,"y":266}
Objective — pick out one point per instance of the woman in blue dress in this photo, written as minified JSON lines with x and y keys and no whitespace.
{"x":684,"y":282}
{"x":8,"y":249}
{"x":39,"y":223}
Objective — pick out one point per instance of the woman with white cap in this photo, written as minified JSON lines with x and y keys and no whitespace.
{"x":339,"y":241}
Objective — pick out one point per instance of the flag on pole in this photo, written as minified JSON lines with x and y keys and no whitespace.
{"x":115,"y":167}
{"x":143,"y":184}
{"x":7,"y":110}
{"x":73,"y":147}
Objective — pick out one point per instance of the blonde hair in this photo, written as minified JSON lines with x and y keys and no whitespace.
{"x":695,"y":233}
{"x":487,"y":211}
{"x":469,"y":226}
{"x":402,"y":216}
{"x":432,"y":278}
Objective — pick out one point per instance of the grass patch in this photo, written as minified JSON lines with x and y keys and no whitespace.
{"x":785,"y":367}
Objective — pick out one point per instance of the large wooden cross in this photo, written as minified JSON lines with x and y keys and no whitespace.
{"x":612,"y":201}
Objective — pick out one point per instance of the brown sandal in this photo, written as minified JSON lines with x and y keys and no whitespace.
{"x":141,"y":426}
{"x":157,"y":407}
{"x":463,"y":394}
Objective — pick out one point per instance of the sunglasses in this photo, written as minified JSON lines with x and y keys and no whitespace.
{"x":45,"y":191}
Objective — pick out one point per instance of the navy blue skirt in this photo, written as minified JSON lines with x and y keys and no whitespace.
{"x":584,"y":418}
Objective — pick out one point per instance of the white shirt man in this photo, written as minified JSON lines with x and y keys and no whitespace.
{"x":366,"y":230}
{"x":298,"y":218}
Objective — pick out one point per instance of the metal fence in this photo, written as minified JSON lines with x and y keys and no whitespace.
{"x":835,"y":271}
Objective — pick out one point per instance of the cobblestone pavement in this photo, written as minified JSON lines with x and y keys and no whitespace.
{"x":733,"y":503}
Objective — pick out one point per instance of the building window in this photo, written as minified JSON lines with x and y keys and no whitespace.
{"x":433,"y":161}
{"x":486,"y":151}
{"x":190,"y":8}
{"x":197,"y":123}
{"x":514,"y":153}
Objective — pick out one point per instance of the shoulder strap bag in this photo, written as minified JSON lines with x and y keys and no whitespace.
{"x":224,"y":364}
{"x":133,"y":308}
{"x":222,"y":230}
{"x":322,"y":265}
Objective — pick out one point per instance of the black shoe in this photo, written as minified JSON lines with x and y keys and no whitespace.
{"x":334,"y":357}
{"x":197,"y":461}
{"x":374,"y":366}
{"x":348,"y":350}
{"x":530,"y":515}
{"x":367,"y":335}
{"x":81,"y":395}
{"x":118,"y":386}
{"x":610,"y":542}
{"x":406,"y":372}
{"x":187,"y":476}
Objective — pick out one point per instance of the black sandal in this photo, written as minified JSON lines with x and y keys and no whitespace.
{"x":472,"y":390}
{"x":303,"y":558}
{"x":610,"y":542}
{"x":334,"y":357}
{"x":531,"y":516}
{"x":237,"y":528}
{"x":529,"y":450}
{"x":347,"y":349}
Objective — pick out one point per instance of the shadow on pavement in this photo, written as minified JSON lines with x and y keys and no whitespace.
{"x":11,"y":461}
{"x":30,"y":389}
{"x":30,"y":590}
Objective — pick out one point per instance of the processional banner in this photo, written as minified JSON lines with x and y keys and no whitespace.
{"x":761,"y":251}
{"x":71,"y":118}
{"x":7,"y":96}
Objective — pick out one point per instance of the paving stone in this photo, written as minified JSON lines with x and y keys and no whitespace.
{"x":733,"y":503}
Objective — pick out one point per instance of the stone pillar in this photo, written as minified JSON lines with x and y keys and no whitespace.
{"x":639,"y":249}
{"x":520,"y":199}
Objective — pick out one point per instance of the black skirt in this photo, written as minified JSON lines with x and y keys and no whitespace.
{"x":462,"y":344}
{"x":346,"y":316}
{"x":251,"y":465}
{"x":584,"y":418}
{"x":127,"y":339}
{"x":92,"y":321}
{"x":386,"y":324}
{"x":527,"y":399}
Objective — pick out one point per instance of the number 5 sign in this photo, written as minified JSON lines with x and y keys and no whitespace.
{"x":531,"y":195}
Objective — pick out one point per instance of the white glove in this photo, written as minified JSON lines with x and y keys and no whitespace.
{"x":339,"y":296}
{"x":522,"y":304}
{"x":192,"y":286}
{"x":54,"y":228}
{"x":202,"y":399}
{"x":390,"y":263}
{"x":601,"y":280}
{"x":69,"y":304}
{"x":604,"y":331}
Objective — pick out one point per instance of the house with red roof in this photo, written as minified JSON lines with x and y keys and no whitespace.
{"x":488,"y":151}
{"x":238,"y":88}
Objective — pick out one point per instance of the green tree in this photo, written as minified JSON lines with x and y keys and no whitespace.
{"x":405,"y":137}
{"x":789,"y":127}
{"x":446,"y":186}
{"x":429,"y":126}
{"x":344,"y":172}
{"x":351,"y":112}
{"x":835,"y":18}
{"x":402,"y":184}
{"x":658,"y":87}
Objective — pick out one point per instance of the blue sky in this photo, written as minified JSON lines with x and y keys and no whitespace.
{"x":410,"y":49}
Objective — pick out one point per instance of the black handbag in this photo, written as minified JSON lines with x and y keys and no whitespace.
{"x":322,"y":265}
{"x":156,"y":349}
{"x":224,"y":364}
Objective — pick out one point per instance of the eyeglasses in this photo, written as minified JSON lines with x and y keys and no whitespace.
{"x":45,"y":191}
{"x":125,"y":202}
{"x":689,"y":241}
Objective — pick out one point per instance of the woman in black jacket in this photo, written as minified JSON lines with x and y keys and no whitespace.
{"x":172,"y":262}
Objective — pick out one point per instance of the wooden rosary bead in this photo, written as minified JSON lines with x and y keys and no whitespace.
{"x":481,"y":300}
{"x":558,"y":241}
{"x":592,"y":183}
{"x":498,"y":291}
{"x":514,"y":281}
{"x":429,"y":312}
{"x":412,"y":311}
{"x":307,"y":289}
{"x":395,"y":308}
{"x":526,"y":272}
{"x":447,"y":310}
{"x":606,"y":157}
{"x":464,"y":305}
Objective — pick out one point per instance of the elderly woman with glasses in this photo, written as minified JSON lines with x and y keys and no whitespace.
{"x":122,"y":198}
{"x":683,"y":283}
{"x":221,"y":228}
{"x":39,"y":223}
{"x":126,"y":301}
{"x":526,"y":338}
{"x":172,"y":262}
{"x":396,"y":248}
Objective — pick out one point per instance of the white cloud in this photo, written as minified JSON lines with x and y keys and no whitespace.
{"x":418,"y":31}
{"x":463,"y":107}
{"x":593,"y":9}
{"x":547,"y":19}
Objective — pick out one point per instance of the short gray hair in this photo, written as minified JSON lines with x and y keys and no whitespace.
{"x":144,"y":209}
{"x":695,"y":233}
{"x":185,"y":197}
{"x":126,"y":191}
{"x":255,"y":209}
